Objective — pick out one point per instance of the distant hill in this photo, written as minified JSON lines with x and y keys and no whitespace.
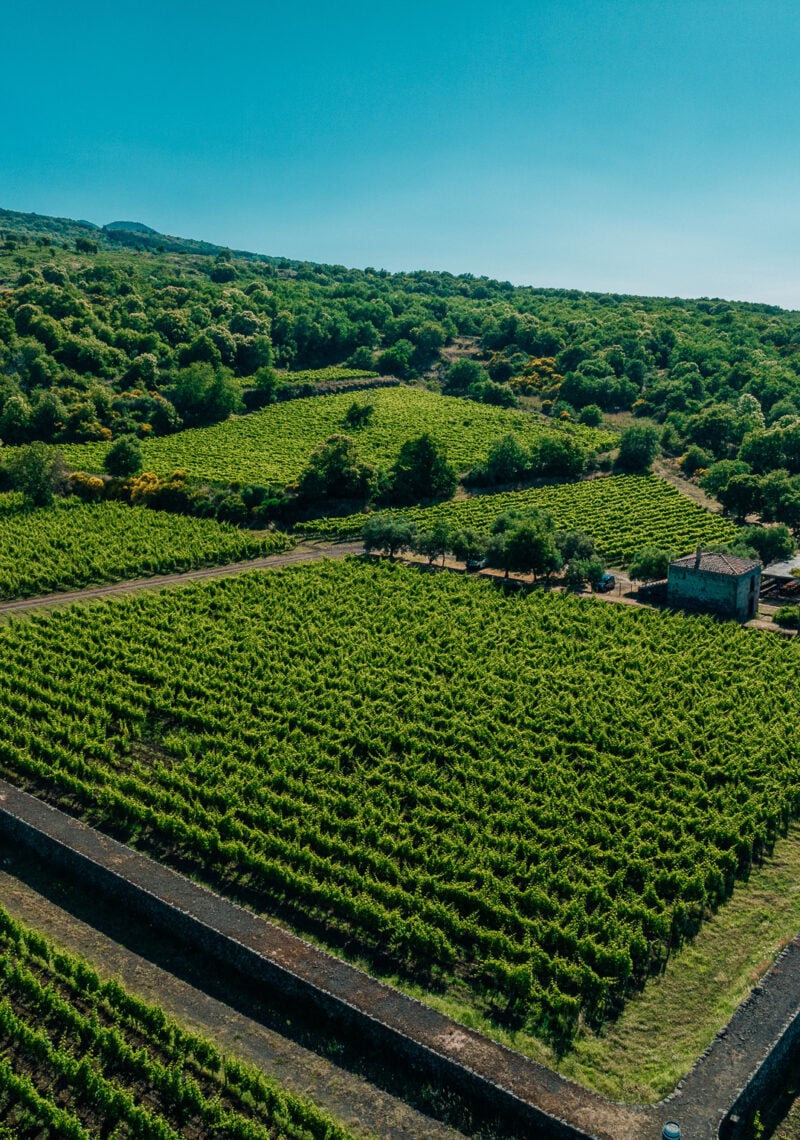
{"x":132,"y":234}
{"x":132,"y":227}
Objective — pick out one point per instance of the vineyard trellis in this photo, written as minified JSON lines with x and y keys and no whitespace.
{"x":78,"y":544}
{"x":538,"y":794}
{"x":118,"y":1064}
{"x":273,"y":445}
{"x":622,"y":513}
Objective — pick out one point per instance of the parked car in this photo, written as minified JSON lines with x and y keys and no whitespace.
{"x":604,"y":584}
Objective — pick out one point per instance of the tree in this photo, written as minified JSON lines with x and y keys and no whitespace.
{"x":421,"y":471}
{"x":396,"y":360}
{"x":527,"y":546}
{"x":648,"y":564}
{"x":34,"y":471}
{"x":124,"y":457}
{"x":468,"y":545}
{"x":573,"y":544}
{"x":579,"y":571}
{"x":433,"y":543}
{"x":462,"y":374}
{"x":638,"y":448}
{"x":15,"y":422}
{"x":771,"y":543}
{"x":741,"y":496}
{"x":203,"y":394}
{"x":336,"y":471}
{"x":559,"y":455}
{"x":591,"y":415}
{"x":719,"y":475}
{"x":390,"y":533}
{"x":507,"y":462}
{"x":358,"y":415}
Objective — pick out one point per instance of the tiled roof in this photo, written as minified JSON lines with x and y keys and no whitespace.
{"x":712,"y":563}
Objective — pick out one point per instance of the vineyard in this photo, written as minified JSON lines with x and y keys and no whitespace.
{"x":77,"y":544}
{"x":331,"y":374}
{"x":536,"y":795}
{"x":81,"y":1058}
{"x":622,"y":513}
{"x":273,"y":445}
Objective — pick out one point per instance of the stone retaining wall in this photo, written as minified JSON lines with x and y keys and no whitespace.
{"x":744,"y":1061}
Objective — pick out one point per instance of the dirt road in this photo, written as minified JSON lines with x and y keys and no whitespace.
{"x":304,"y":552}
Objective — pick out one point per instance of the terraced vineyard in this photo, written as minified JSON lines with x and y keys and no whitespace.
{"x":273,"y":445}
{"x":537,"y":795}
{"x":623,"y":513}
{"x":81,"y":1058}
{"x":76,"y":544}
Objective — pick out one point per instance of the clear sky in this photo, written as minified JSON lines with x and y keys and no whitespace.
{"x":643,"y":146}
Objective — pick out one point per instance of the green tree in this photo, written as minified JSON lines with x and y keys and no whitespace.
{"x":35,"y":471}
{"x":421,"y":471}
{"x":124,"y":457}
{"x":573,"y":544}
{"x":389,"y":533}
{"x":741,"y":496}
{"x":526,"y":546}
{"x":591,"y":415}
{"x":468,"y":544}
{"x":507,"y":462}
{"x":648,"y":564}
{"x":638,"y":447}
{"x":358,"y":415}
{"x":462,"y":374}
{"x":580,"y":571}
{"x":771,"y":543}
{"x":203,"y":394}
{"x":433,"y":543}
{"x":719,"y":475}
{"x":336,"y":471}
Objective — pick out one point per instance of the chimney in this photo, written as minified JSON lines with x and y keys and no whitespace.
{"x":698,"y":556}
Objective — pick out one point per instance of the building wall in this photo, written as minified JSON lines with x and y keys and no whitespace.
{"x":728,"y":594}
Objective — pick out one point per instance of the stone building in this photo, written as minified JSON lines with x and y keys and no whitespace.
{"x":720,"y":583}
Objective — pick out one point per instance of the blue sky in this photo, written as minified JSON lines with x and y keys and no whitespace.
{"x":645,"y":147}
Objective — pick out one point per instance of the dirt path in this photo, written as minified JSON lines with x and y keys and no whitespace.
{"x":304,"y":552}
{"x":160,"y":972}
{"x":686,"y":487}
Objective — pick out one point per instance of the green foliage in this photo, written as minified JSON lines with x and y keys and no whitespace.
{"x":591,"y":415}
{"x":638,"y":447}
{"x":336,"y":471}
{"x":463,"y":374}
{"x":723,"y":369}
{"x":73,"y":545}
{"x":388,"y":533}
{"x":649,"y":564}
{"x":204,"y":394}
{"x":621,"y":513}
{"x":580,"y":571}
{"x":434,"y":543}
{"x":358,"y":415}
{"x":274,"y":445}
{"x":484,"y":815}
{"x":82,"y":1057}
{"x":788,"y":617}
{"x":771,"y":543}
{"x":124,"y":457}
{"x":421,"y":471}
{"x":524,"y":544}
{"x":34,"y":471}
